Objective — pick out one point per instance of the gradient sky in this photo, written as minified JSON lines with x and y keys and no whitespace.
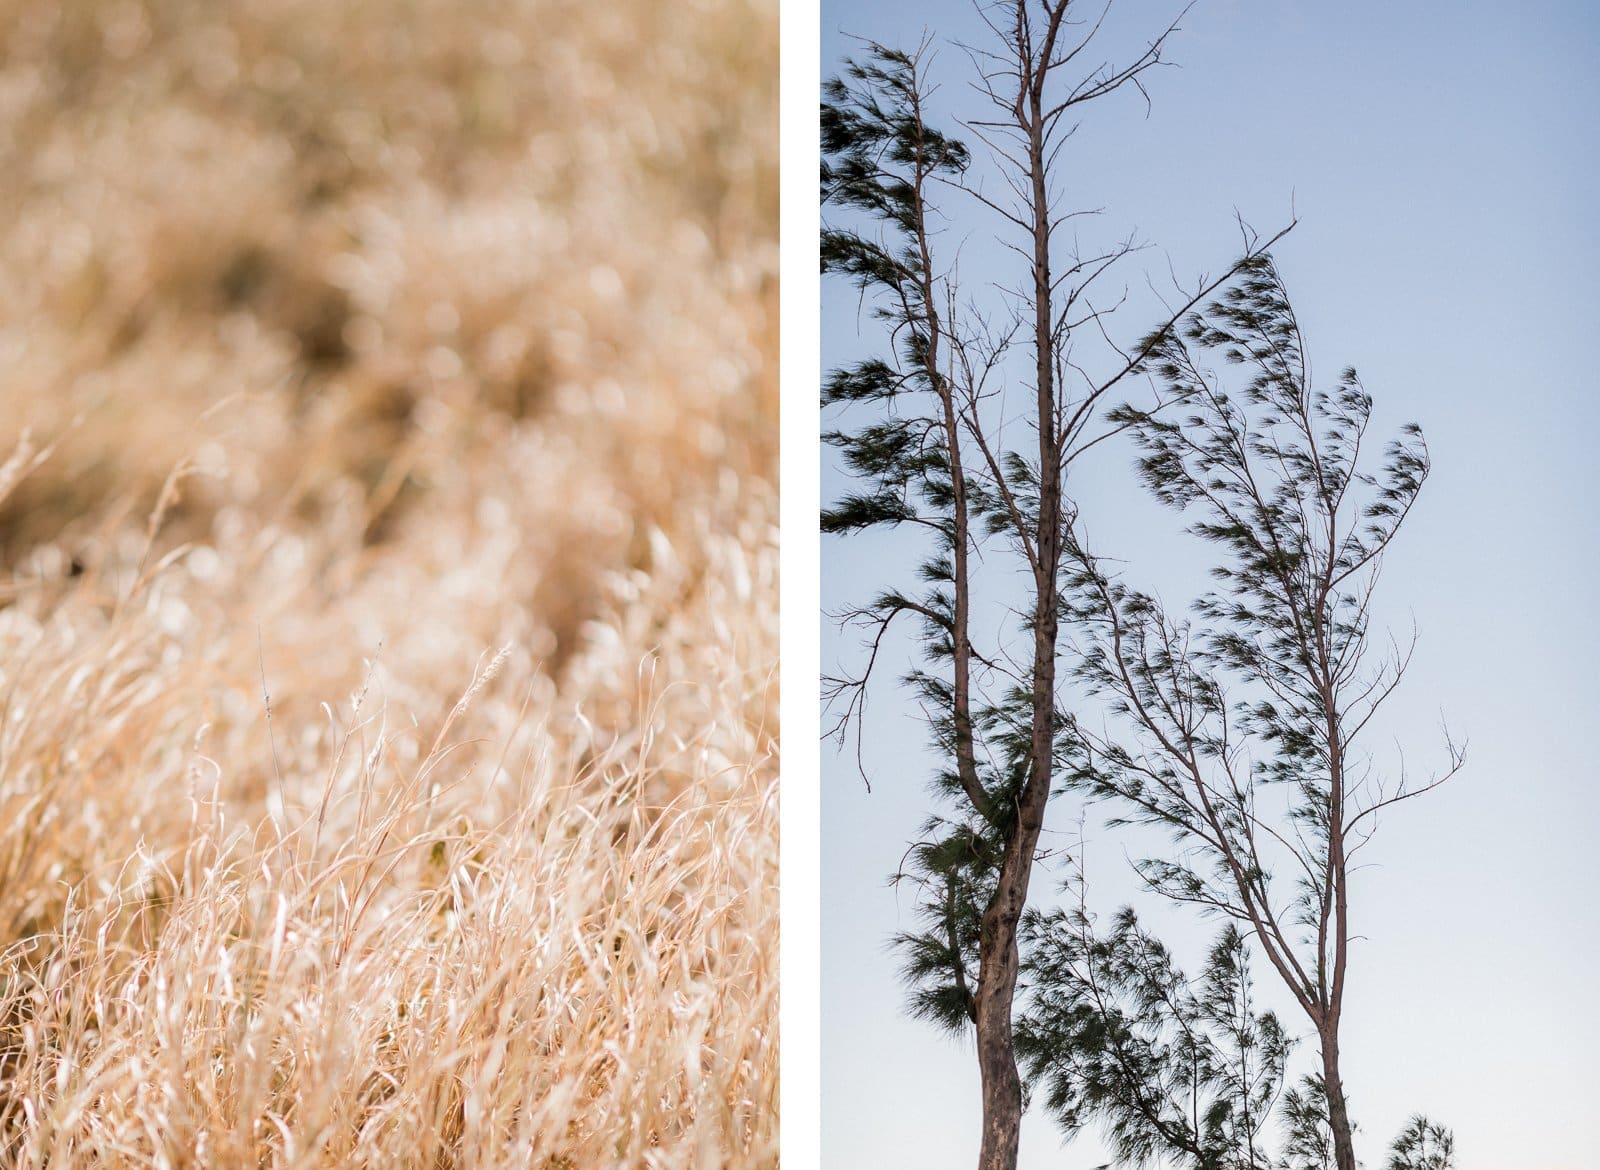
{"x":1442,"y":161}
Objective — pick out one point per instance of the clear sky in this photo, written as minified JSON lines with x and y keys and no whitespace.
{"x":1442,"y":160}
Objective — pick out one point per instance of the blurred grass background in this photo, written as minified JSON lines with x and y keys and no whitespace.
{"x":387,"y":558}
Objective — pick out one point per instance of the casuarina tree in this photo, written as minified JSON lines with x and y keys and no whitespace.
{"x":928,"y":429}
{"x":1244,"y":723}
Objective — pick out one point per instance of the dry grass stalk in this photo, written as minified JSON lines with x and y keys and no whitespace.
{"x":422,"y":372}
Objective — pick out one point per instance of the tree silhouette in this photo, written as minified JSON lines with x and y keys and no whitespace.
{"x":1244,"y":725}
{"x":924,"y":435}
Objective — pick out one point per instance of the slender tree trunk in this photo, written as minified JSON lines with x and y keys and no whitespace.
{"x":997,"y":954}
{"x":997,"y":1062}
{"x":997,"y":1058}
{"x":1344,"y":1153}
{"x":1344,"y":1150}
{"x":997,"y":982}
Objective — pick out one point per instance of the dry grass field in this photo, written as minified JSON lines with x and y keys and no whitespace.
{"x":388,"y":583}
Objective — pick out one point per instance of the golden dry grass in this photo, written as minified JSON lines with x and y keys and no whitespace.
{"x":388,"y":583}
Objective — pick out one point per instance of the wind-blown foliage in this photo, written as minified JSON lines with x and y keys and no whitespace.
{"x":879,"y":155}
{"x":1177,"y":1069}
{"x":1307,"y":1136}
{"x":953,"y":866}
{"x":1422,"y":1145}
{"x":1245,"y":723}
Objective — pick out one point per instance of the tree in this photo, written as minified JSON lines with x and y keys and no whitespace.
{"x":1245,"y":725}
{"x":923,"y":435}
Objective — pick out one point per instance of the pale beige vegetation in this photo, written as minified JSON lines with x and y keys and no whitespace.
{"x":388,"y":583}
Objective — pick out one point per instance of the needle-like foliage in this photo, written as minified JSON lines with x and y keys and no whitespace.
{"x":1174,"y":1069}
{"x":1422,"y":1145}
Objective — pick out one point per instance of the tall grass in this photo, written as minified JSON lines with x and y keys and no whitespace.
{"x":388,"y":584}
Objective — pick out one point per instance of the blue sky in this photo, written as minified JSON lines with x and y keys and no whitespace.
{"x":1441,"y":159}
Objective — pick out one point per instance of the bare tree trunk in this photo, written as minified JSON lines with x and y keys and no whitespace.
{"x":997,"y":982}
{"x":1344,"y":1154}
{"x":1002,"y":1089}
{"x":997,"y":1059}
{"x":1344,"y":1151}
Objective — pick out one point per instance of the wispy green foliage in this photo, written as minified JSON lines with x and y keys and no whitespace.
{"x":953,"y":866}
{"x":1422,"y":1145}
{"x":1179,"y":1070}
{"x":879,"y":154}
{"x":1308,"y":1138}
